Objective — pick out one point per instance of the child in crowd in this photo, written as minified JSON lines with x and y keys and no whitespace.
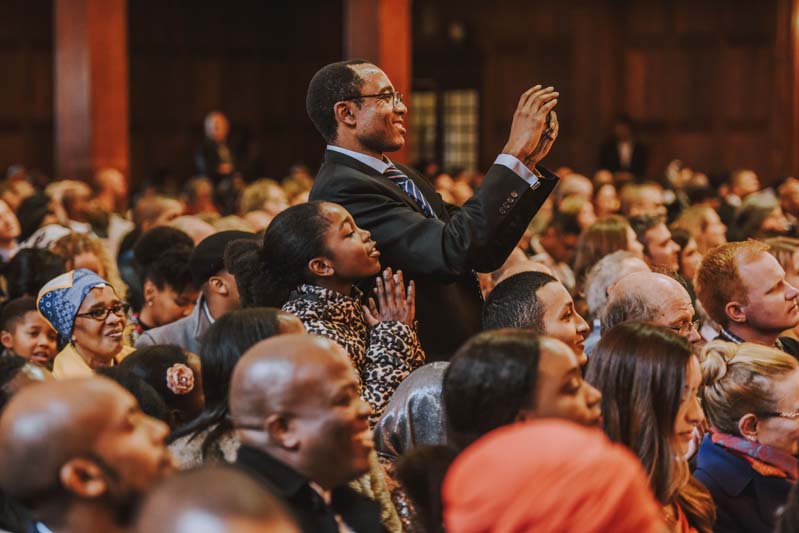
{"x":24,"y":332}
{"x":311,"y":258}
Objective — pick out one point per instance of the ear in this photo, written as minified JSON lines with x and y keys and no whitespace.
{"x":735,"y":312}
{"x":149,"y":290}
{"x":747,"y":425}
{"x":344,"y":114}
{"x":219,"y":285}
{"x":83,"y":477}
{"x":321,"y":267}
{"x":280,"y":432}
{"x":7,"y":339}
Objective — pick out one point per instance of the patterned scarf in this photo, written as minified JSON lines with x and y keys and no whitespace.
{"x":765,"y":460}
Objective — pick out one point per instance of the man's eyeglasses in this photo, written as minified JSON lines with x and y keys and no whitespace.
{"x":393,"y":98}
{"x":792,"y":416}
{"x":683,"y":330}
{"x":101,"y":313}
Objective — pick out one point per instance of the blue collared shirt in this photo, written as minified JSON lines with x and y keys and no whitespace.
{"x":380,"y":165}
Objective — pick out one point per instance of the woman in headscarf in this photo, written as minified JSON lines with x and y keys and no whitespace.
{"x":86,"y":312}
{"x":548,"y":475}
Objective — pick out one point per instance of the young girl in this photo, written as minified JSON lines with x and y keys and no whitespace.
{"x":311,"y":258}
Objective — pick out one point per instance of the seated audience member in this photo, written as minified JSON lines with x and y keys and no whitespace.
{"x":84,"y":309}
{"x":660,"y":250}
{"x":786,"y":251}
{"x":210,"y":436}
{"x":599,"y":280}
{"x":645,"y":199}
{"x":175,"y":375}
{"x":312,"y":256}
{"x":39,"y":225}
{"x":540,"y":303}
{"x":24,"y":332}
{"x":516,"y":263}
{"x":14,"y":192}
{"x":219,"y":295}
{"x":79,"y":454}
{"x":503,"y":376}
{"x":788,"y":194}
{"x":83,"y":250}
{"x":497,"y":378}
{"x":743,"y":288}
{"x":305,"y":430}
{"x":198,"y":196}
{"x":655,"y":298}
{"x":603,"y":237}
{"x":17,"y":372}
{"x":580,"y":208}
{"x":168,"y":293}
{"x":742,"y":183}
{"x":150,"y":401}
{"x":415,"y":415}
{"x":760,"y":216}
{"x":548,"y":475}
{"x":28,"y":272}
{"x":748,"y":460}
{"x":111,"y":196}
{"x":606,"y":200}
{"x":264,"y":195}
{"x":704,"y":225}
{"x":572,"y":184}
{"x":689,"y":257}
{"x":193,"y":226}
{"x":212,"y":500}
{"x":656,"y":420}
{"x":9,"y":232}
{"x":556,"y":247}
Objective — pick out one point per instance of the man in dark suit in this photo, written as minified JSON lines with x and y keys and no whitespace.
{"x":621,"y":152}
{"x":359,"y":114}
{"x":304,"y":430}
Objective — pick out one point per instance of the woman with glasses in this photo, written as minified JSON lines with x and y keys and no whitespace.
{"x":748,"y":460}
{"x":89,"y":317}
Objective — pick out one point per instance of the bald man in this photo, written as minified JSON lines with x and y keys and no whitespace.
{"x":213,"y":500}
{"x":79,"y":453}
{"x":295,"y":402}
{"x":654,"y":298}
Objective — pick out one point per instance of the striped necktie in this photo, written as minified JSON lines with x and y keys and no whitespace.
{"x":410,"y":188}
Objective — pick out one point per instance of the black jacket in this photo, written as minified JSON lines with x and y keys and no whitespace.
{"x":313,"y":515}
{"x":439,"y":254}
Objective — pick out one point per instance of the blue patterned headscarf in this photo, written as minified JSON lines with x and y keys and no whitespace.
{"x":62,"y":296}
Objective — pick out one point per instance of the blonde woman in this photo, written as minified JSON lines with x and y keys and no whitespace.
{"x":748,"y":460}
{"x":83,"y":250}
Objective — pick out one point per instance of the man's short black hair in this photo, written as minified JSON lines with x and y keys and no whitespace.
{"x":643,"y":223}
{"x":332,"y":83}
{"x":514,"y":304}
{"x":565,"y":224}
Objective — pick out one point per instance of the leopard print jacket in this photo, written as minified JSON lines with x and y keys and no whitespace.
{"x":384,"y":355}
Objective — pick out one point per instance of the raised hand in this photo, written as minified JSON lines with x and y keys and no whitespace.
{"x":530,"y":139}
{"x":393,"y":302}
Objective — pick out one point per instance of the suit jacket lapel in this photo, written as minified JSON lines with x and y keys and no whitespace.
{"x":337,"y":158}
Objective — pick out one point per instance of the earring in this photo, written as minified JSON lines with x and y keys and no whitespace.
{"x":150,"y":303}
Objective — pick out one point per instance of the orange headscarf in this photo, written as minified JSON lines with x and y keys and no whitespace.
{"x":548,"y":475}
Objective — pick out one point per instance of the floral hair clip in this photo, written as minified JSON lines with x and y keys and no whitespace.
{"x":180,"y":379}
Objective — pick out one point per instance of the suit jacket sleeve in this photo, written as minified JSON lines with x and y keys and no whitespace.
{"x":480,"y":235}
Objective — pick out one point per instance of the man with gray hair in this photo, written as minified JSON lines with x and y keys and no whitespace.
{"x":602,"y":276}
{"x":651,"y":297}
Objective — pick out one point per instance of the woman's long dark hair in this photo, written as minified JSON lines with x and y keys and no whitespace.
{"x":267,"y":274}
{"x":223,"y":345}
{"x":640,"y":370}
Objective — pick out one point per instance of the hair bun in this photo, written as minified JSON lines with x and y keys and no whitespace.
{"x":715,"y":358}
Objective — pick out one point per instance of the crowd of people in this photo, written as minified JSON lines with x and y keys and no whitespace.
{"x":375,"y":348}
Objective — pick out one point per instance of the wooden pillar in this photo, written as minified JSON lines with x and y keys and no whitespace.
{"x":785,"y":108}
{"x":91,"y":87}
{"x":380,"y":31}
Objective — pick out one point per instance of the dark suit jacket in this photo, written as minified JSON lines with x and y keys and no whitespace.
{"x":609,"y":158}
{"x":313,"y":515}
{"x":745,"y":500}
{"x":208,"y":158}
{"x":439,"y":254}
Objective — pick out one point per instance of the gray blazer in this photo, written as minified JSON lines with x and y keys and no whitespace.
{"x":186,"y":332}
